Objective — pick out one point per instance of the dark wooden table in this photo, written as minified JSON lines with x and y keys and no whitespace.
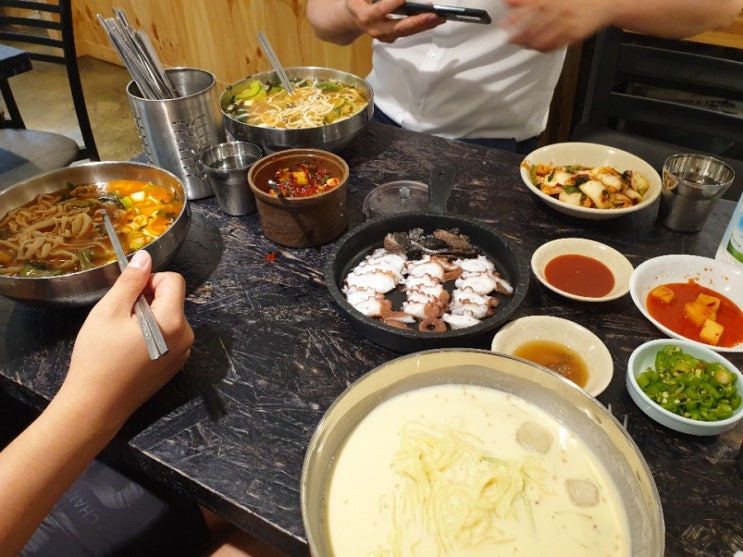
{"x":272,"y":351}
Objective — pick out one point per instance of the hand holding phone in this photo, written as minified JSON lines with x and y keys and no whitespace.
{"x":452,"y":13}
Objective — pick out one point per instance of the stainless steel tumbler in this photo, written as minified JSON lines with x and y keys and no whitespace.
{"x":175,"y":131}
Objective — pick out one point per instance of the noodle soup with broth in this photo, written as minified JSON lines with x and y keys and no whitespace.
{"x":62,"y":231}
{"x":329,"y":109}
{"x":313,"y":103}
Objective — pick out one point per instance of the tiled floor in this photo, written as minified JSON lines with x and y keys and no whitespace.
{"x":45,"y":103}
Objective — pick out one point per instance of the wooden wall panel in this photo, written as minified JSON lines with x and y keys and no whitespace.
{"x":219,"y":35}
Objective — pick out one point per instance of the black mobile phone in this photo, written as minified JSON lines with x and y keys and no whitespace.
{"x":454,"y":13}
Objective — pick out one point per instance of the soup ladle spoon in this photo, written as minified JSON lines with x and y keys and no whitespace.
{"x":275,"y":187}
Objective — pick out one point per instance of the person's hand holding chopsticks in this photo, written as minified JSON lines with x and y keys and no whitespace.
{"x":110,"y":376}
{"x":110,"y":364}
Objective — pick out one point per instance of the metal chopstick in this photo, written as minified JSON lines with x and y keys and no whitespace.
{"x":127,"y":55}
{"x":150,"y":54}
{"x":268,"y":49}
{"x":146,"y":55}
{"x":139,"y":56}
{"x":153,"y":337}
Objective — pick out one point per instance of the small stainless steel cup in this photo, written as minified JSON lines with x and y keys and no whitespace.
{"x":692,"y":184}
{"x":226,"y":165}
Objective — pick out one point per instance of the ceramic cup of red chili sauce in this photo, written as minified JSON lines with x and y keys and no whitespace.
{"x":582,"y":269}
{"x":301,"y":196}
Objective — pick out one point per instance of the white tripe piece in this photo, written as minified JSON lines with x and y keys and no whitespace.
{"x":475,"y":264}
{"x":425,"y":284}
{"x":356,"y":295}
{"x":459,"y":321}
{"x":482,"y":283}
{"x":416,"y":309}
{"x":425,"y":266}
{"x":379,"y":281}
{"x":399,"y":316}
{"x":382,"y":260}
{"x":479,"y":274}
{"x":422,"y":305}
{"x":381,"y":271}
{"x":470,"y":309}
{"x":372,"y":307}
{"x":416,"y":296}
{"x":369,"y":302}
{"x":425,"y":293}
{"x":470,"y":297}
{"x":463,"y":296}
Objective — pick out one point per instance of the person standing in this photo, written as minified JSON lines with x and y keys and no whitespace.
{"x":490,"y":84}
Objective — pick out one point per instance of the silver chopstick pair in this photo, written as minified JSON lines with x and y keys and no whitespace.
{"x":138,"y":54}
{"x":153,"y":337}
{"x":278,"y":68}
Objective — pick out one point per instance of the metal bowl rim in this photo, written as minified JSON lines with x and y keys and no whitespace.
{"x":570,"y":389}
{"x":93,"y":164}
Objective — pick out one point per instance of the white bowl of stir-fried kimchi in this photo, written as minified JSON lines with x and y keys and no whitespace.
{"x":590,"y":181}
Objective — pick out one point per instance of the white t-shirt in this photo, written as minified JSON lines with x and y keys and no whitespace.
{"x":464,"y":80}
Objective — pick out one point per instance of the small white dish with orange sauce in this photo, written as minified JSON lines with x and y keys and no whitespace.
{"x":688,"y":275}
{"x":582,"y":269}
{"x":560,"y":345}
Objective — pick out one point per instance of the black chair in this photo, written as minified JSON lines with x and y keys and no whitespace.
{"x":45,"y":31}
{"x":655,"y":98}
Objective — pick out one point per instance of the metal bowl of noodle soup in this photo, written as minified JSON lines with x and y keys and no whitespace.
{"x":353,"y":471}
{"x":83,"y":288}
{"x":330,"y":137}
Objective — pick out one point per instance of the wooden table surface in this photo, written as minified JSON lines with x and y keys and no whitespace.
{"x":272,"y":351}
{"x":730,"y":36}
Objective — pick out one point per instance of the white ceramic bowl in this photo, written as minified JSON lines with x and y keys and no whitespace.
{"x":717,"y":275}
{"x":562,"y":331}
{"x":643,"y":357}
{"x":617,"y":263}
{"x":591,"y":155}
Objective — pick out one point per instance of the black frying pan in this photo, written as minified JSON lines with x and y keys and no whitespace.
{"x":359,"y":242}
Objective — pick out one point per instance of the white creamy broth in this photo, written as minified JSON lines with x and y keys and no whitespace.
{"x":468,"y":471}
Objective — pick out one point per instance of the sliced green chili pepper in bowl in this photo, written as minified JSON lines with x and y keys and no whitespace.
{"x":690,"y":387}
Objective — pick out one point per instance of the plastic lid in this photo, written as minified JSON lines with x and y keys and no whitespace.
{"x":396,"y":197}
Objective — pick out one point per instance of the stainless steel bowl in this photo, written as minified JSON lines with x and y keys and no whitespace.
{"x":557,"y":396}
{"x":86,"y":287}
{"x":332,"y":137}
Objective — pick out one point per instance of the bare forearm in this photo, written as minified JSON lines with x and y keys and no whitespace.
{"x":96,"y":398}
{"x":332,"y":22}
{"x":549,"y":24}
{"x":674,"y":18}
{"x":39,"y":466}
